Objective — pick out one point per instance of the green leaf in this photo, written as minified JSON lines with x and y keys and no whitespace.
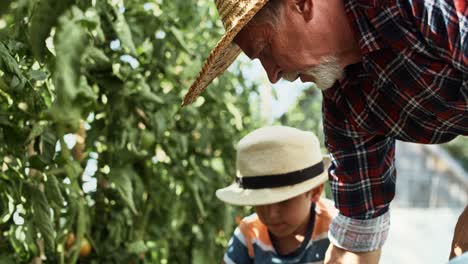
{"x":52,"y":191}
{"x":44,"y":17}
{"x":121,"y":177}
{"x":5,"y":95}
{"x":67,"y":115}
{"x":147,"y":139}
{"x":70,"y":44}
{"x":3,"y":85}
{"x":96,"y":59}
{"x":137,"y":247}
{"x":35,"y":162}
{"x":85,"y":93}
{"x":36,"y":130}
{"x":160,"y":123}
{"x":183,"y":139}
{"x":48,"y":140}
{"x":123,"y":32}
{"x":14,"y":136}
{"x":198,"y":200}
{"x":237,"y":115}
{"x":8,"y":207}
{"x":37,"y":75}
{"x":42,"y":218}
{"x":179,"y":36}
{"x":73,"y":169}
{"x":116,"y":233}
{"x":9,"y":64}
{"x":7,"y":259}
{"x":4,"y":6}
{"x":147,"y":94}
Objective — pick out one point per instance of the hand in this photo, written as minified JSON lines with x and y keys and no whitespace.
{"x":460,"y":237}
{"x":336,"y":255}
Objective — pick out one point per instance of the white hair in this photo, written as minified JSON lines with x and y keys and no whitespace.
{"x":270,"y":13}
{"x":325,"y":74}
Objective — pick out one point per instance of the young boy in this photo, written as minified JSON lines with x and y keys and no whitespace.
{"x":281,"y":174}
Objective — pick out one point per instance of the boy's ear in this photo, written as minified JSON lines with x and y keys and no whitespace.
{"x":305,"y":7}
{"x":316,"y":193}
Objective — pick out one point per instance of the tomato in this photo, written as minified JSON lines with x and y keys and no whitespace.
{"x":147,"y":139}
{"x":86,"y":248}
{"x":70,"y":240}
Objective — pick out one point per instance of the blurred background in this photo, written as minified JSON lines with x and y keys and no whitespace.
{"x":100,"y":164}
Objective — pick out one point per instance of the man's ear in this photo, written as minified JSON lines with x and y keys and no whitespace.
{"x":306,"y":8}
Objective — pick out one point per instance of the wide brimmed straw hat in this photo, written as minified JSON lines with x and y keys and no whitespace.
{"x":235,"y":14}
{"x":275,"y":164}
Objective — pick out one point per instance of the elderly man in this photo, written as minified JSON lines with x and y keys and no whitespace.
{"x":388,"y":70}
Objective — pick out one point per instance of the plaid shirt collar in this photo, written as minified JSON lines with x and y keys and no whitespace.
{"x":357,"y":10}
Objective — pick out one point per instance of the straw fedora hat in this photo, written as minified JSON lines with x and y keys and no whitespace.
{"x":235,"y":14}
{"x":275,"y":164}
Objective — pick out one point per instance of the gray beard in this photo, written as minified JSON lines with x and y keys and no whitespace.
{"x":325,"y":74}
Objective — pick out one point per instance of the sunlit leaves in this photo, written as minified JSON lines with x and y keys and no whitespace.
{"x":150,"y":168}
{"x":44,"y":18}
{"x":42,"y":218}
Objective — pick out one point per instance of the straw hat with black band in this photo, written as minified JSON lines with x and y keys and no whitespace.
{"x":235,"y":14}
{"x":275,"y":164}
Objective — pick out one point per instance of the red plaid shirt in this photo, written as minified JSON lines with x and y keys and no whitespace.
{"x":411,"y":85}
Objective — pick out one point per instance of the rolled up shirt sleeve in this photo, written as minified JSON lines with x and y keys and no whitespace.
{"x":362,"y":177}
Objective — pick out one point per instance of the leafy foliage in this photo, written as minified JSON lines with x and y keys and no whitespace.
{"x":94,"y":142}
{"x":458,"y":149}
{"x":306,"y":114}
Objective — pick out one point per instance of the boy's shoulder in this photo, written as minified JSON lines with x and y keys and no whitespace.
{"x":253,"y":231}
{"x":252,"y":227}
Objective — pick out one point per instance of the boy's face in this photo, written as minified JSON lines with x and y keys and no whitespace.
{"x":290,"y":217}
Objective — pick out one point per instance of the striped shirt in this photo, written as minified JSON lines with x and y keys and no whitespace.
{"x":411,"y":85}
{"x":251,"y":240}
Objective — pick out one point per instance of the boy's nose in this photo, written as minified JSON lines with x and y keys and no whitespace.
{"x":273,"y":212}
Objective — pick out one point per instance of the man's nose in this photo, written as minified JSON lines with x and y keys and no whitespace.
{"x":271,"y":69}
